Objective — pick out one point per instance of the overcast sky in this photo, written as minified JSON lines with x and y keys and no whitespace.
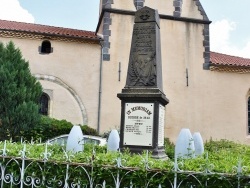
{"x":229,"y":31}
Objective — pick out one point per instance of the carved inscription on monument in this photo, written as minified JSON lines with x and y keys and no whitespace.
{"x":138,"y":125}
{"x":143,"y":39}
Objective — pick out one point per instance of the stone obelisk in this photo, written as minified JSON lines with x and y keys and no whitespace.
{"x":143,"y":101}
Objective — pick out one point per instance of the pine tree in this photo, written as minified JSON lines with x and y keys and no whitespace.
{"x":19,"y":94}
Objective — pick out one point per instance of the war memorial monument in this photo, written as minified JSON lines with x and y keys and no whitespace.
{"x":142,"y":99}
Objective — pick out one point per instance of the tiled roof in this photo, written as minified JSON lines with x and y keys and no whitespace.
{"x":46,"y":30}
{"x":228,"y":60}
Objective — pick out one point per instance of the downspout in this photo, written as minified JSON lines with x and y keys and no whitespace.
{"x":100,"y":89}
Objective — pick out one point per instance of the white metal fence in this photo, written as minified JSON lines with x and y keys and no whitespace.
{"x":23,"y":172}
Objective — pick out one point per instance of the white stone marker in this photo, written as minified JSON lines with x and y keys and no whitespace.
{"x":198,"y":144}
{"x":74,"y":142}
{"x":113,"y":141}
{"x":184,"y":147}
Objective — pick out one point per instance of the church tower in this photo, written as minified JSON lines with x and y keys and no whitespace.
{"x":172,"y":9}
{"x":184,"y":31}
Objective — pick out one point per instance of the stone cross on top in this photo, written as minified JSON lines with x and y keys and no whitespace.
{"x":138,"y":4}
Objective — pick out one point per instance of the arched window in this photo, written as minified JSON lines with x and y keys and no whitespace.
{"x":248,"y":107}
{"x":46,"y":47}
{"x":44,"y":104}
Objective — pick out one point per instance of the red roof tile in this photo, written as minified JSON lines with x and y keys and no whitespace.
{"x":215,"y":58}
{"x":228,"y":60}
{"x":47,"y":30}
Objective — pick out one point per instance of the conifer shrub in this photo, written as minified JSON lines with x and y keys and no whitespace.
{"x":20,"y":93}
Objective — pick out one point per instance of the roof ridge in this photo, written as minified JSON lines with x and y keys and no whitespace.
{"x":59,"y":27}
{"x":33,"y":28}
{"x":230,"y":55}
{"x":220,"y":59}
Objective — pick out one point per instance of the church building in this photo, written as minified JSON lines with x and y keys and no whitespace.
{"x":82,"y":72}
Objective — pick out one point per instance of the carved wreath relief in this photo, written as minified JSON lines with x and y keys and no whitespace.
{"x":143,"y":71}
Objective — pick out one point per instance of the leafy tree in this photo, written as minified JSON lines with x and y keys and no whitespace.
{"x":19,"y":94}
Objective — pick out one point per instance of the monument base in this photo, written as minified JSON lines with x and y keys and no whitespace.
{"x":142,"y":121}
{"x":159,"y":154}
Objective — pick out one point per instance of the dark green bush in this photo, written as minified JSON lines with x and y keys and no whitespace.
{"x":89,"y":131}
{"x":169,"y":148}
{"x":50,"y":127}
{"x":213,"y":145}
